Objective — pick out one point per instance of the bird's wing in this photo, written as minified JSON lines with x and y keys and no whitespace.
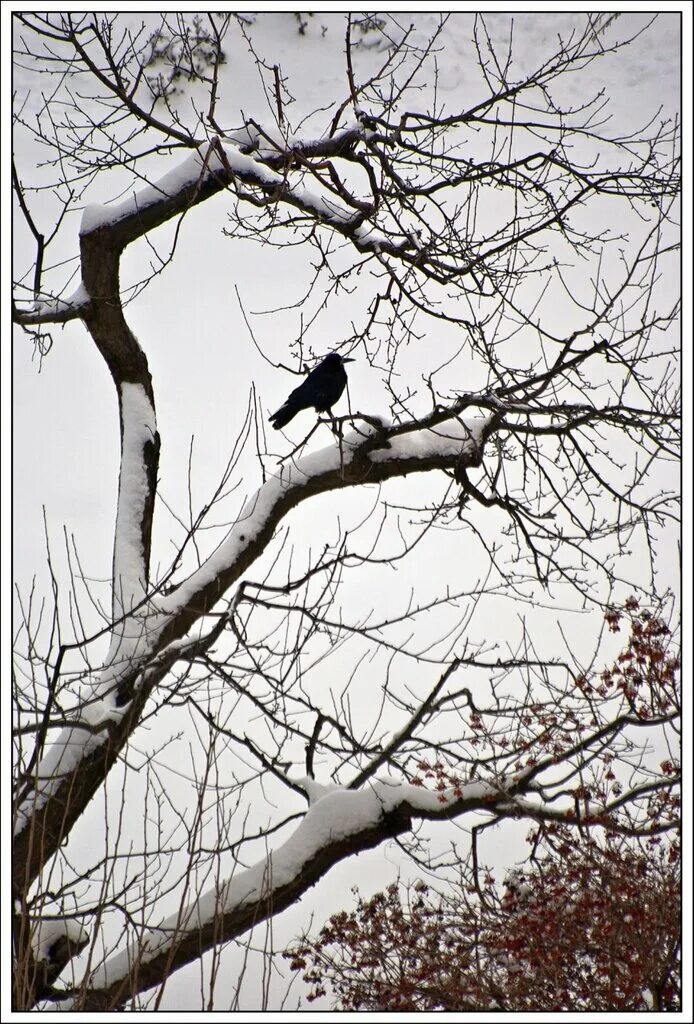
{"x":300,"y":395}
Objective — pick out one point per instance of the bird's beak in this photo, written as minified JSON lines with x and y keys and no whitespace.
{"x":348,"y":359}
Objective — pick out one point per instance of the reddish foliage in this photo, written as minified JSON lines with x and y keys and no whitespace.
{"x":586,"y":927}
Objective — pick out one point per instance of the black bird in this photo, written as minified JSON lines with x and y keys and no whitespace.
{"x":321,"y":389}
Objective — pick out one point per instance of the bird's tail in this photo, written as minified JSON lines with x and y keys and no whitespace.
{"x":284,"y":414}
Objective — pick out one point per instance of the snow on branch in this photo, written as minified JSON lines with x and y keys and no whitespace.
{"x":74,"y":744}
{"x":97,"y":710}
{"x":324,"y":206}
{"x":183,"y":177}
{"x":52,"y":943}
{"x":268,"y":143}
{"x":353,"y":460}
{"x":51,"y":933}
{"x":55,"y":310}
{"x":338,"y":817}
{"x":129,"y":554}
{"x":220,"y":163}
{"x":215,"y":165}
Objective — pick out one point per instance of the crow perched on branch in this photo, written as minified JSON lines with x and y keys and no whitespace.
{"x":321,"y":389}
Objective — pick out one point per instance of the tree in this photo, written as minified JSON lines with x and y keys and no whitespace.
{"x":536,"y":245}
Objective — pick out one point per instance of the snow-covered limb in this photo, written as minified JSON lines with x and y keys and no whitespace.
{"x":268,"y":143}
{"x":184,"y":176}
{"x":51,"y":942}
{"x":101,"y":705}
{"x":205,"y":162}
{"x":74,"y":744}
{"x":448,"y":440}
{"x":259,"y":176}
{"x":220,"y":163}
{"x":130,"y":560}
{"x":338,"y":822}
{"x":337,"y":465}
{"x":322,"y":205}
{"x":56,"y":310}
{"x":49,"y":932}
